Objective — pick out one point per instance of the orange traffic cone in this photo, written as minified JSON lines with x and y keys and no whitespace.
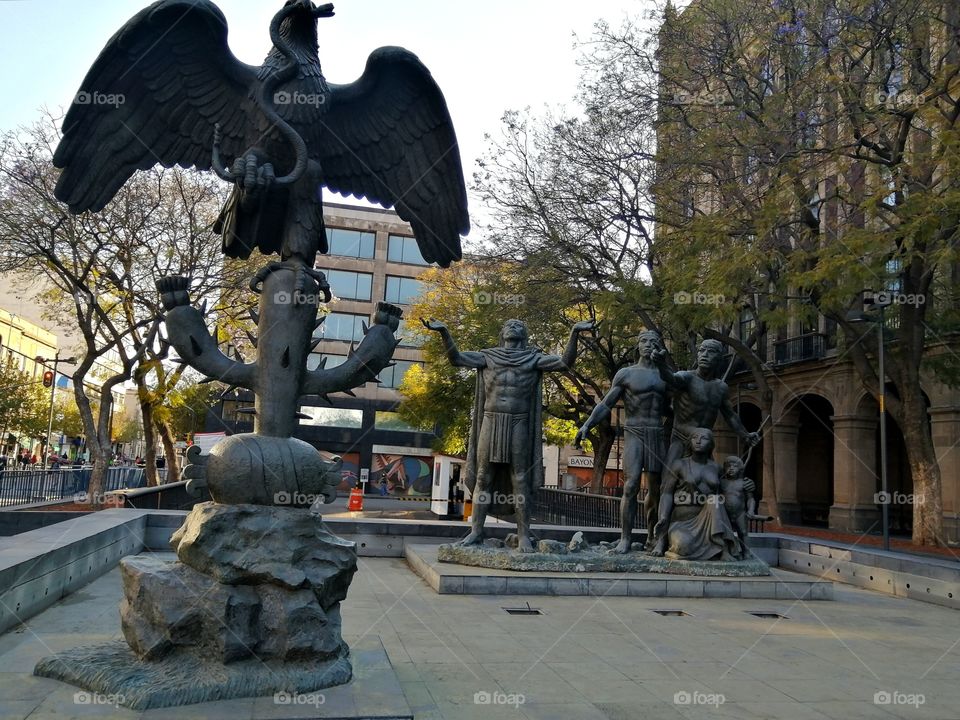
{"x":355,"y":503}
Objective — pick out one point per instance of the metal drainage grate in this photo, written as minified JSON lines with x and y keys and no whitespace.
{"x":767,"y":614}
{"x":672,"y":613}
{"x":523,"y":610}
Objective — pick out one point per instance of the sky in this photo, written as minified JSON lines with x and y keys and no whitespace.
{"x":487,"y":57}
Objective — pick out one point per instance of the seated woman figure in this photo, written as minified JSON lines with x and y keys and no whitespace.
{"x":693,"y":523}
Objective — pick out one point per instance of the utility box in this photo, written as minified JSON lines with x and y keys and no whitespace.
{"x":446,"y":496}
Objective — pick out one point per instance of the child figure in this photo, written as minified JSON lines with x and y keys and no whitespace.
{"x":739,"y":496}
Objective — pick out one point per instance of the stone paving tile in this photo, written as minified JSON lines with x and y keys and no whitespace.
{"x":17,"y":709}
{"x":628,"y":711}
{"x":850,"y":710}
{"x":416,"y":693}
{"x":708,"y":671}
{"x":583,"y":658}
{"x":785,"y":711}
{"x":567,"y":711}
{"x":241,"y":709}
{"x":737,"y":711}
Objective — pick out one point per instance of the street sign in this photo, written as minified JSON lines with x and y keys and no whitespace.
{"x":207,"y":440}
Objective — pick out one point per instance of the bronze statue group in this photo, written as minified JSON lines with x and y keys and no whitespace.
{"x":695,"y":509}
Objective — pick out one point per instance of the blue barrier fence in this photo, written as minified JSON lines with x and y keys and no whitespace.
{"x":19,"y":487}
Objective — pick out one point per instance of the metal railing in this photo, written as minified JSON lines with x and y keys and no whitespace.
{"x":568,"y":507}
{"x":811,"y":346}
{"x":20,"y":487}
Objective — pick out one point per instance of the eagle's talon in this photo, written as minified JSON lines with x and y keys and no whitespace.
{"x":319,"y":277}
{"x":257,"y":280}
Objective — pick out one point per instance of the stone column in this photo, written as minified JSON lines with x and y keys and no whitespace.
{"x":854,"y":474}
{"x":784,"y":437}
{"x":945,"y":427}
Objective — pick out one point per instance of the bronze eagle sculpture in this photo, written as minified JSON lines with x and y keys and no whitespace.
{"x":188,"y":101}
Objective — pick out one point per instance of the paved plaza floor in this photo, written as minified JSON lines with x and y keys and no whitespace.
{"x":863,"y":655}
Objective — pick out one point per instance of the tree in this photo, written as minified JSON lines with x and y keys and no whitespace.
{"x":474,"y":299}
{"x":103,"y":268}
{"x":568,"y":195}
{"x":181,"y":415}
{"x":24,"y":403}
{"x":66,"y":416}
{"x":807,"y":155}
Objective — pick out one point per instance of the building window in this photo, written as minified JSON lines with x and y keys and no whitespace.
{"x":403,"y":249}
{"x":391,"y":377}
{"x":332,"y":417}
{"x":386,"y":420}
{"x":350,"y":243}
{"x":348,"y":285}
{"x":410,"y":335}
{"x":343,"y":326}
{"x":313,"y":360}
{"x":402,"y":290}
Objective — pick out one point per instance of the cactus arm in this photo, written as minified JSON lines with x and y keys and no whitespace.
{"x":187,"y":333}
{"x":363,"y":363}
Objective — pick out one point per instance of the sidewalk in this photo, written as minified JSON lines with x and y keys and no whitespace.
{"x":872,"y":541}
{"x":584,"y":658}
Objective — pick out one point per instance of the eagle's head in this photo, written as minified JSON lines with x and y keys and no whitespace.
{"x":298,"y":21}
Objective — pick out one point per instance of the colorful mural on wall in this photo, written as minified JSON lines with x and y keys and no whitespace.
{"x":401,"y":475}
{"x":351,"y":470}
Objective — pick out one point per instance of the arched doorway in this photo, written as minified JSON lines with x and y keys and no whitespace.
{"x":814,"y":459}
{"x":899,"y":477}
{"x":751,"y":417}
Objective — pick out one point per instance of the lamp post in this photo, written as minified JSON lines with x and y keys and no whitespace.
{"x":193,"y":415}
{"x":880,"y":301}
{"x":53,"y":389}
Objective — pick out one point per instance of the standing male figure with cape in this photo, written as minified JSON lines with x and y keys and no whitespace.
{"x":505,"y":451}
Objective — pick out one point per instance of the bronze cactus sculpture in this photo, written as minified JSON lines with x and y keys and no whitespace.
{"x":252,"y":607}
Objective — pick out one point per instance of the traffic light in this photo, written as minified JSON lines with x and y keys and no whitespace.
{"x":48,"y":378}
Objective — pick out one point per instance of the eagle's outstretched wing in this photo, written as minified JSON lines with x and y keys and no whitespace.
{"x":388,"y":137}
{"x":153,"y":96}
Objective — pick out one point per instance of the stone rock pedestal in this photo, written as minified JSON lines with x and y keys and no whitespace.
{"x":559,"y":558}
{"x":252,"y":607}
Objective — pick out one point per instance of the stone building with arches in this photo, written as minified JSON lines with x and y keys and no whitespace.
{"x":825,"y":430}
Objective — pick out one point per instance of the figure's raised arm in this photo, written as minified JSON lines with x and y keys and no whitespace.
{"x":473,"y":360}
{"x":603,"y":408}
{"x":569,"y":357}
{"x":676,"y":381}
